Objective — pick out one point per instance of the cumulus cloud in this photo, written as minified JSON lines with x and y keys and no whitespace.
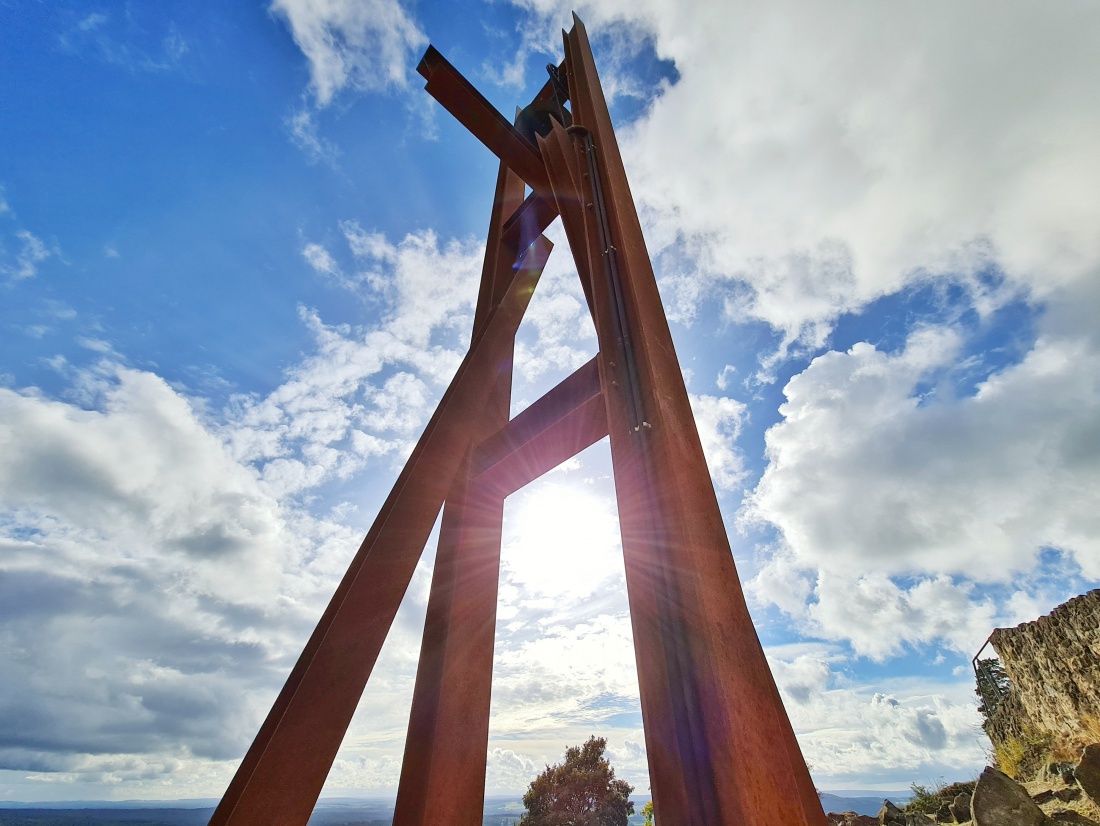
{"x":365,"y":46}
{"x":129,"y":630}
{"x":837,"y":153}
{"x":930,"y":484}
{"x":365,"y":393}
{"x":875,"y":479}
{"x":858,"y":734}
{"x":160,"y":573}
{"x":719,"y":420}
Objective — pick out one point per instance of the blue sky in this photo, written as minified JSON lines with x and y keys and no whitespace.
{"x":239,"y":250}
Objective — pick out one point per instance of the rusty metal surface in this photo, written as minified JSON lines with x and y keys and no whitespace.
{"x":443,"y":770}
{"x":528,"y":222}
{"x":282,"y":774}
{"x":472,"y":110}
{"x":721,"y":749}
{"x":566,"y":420}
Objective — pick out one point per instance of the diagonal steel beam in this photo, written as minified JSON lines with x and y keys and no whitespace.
{"x":281,"y":776}
{"x":534,"y":215}
{"x":443,"y":769}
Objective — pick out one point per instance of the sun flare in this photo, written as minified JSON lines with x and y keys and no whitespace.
{"x":562,"y":539}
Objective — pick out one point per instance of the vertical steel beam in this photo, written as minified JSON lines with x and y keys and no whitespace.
{"x":721,"y":748}
{"x":281,"y":776}
{"x":443,"y":771}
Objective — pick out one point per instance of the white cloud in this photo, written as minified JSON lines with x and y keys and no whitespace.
{"x":507,"y":771}
{"x":21,"y":251}
{"x":358,"y":44}
{"x":719,"y":420}
{"x":129,"y":632}
{"x":812,"y":158}
{"x":366,"y":392}
{"x":902,"y":730}
{"x":557,"y":335}
{"x":130,"y":513}
{"x":124,"y":41}
{"x":891,"y":504}
{"x":304,"y":133}
{"x":92,"y":21}
{"x":935,"y":485}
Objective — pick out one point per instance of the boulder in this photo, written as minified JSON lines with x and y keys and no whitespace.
{"x":850,"y":819}
{"x":1045,"y":796}
{"x":944,"y":815}
{"x":1059,"y":771}
{"x":1068,"y":794}
{"x":889,"y":813}
{"x":960,"y":808}
{"x":1001,"y":801}
{"x":1087,"y":772}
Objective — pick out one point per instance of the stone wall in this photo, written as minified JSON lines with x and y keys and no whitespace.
{"x":1053,"y":668}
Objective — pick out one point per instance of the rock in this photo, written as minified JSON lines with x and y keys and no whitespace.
{"x":889,"y":813}
{"x":944,"y":815}
{"x":1001,"y":801}
{"x":1059,"y":771}
{"x":1087,"y":772}
{"x":1071,"y":818}
{"x":1045,"y":796}
{"x":850,"y":819}
{"x":1068,"y":795}
{"x":960,"y":808}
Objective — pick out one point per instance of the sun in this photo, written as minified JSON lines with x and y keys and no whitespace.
{"x":562,"y":538}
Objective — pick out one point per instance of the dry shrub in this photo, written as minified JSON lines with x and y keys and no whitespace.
{"x":1009,"y":755}
{"x":1022,"y":758}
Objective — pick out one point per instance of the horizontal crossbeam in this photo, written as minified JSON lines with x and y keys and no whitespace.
{"x":557,"y":427}
{"x":459,"y":97}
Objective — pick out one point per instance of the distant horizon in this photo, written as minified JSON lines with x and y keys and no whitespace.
{"x":202,"y":803}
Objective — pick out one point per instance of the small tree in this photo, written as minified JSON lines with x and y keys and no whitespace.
{"x":647,"y":812}
{"x":580,"y":791}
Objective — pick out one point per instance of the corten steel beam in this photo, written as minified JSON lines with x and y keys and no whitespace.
{"x":281,"y":776}
{"x":473,"y":111}
{"x":721,"y":748}
{"x":443,"y":771}
{"x":531,"y":219}
{"x":565,"y":421}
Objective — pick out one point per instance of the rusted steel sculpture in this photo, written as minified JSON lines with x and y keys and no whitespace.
{"x":721,"y":749}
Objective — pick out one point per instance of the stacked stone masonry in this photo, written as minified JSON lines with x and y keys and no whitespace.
{"x":1053,"y":667}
